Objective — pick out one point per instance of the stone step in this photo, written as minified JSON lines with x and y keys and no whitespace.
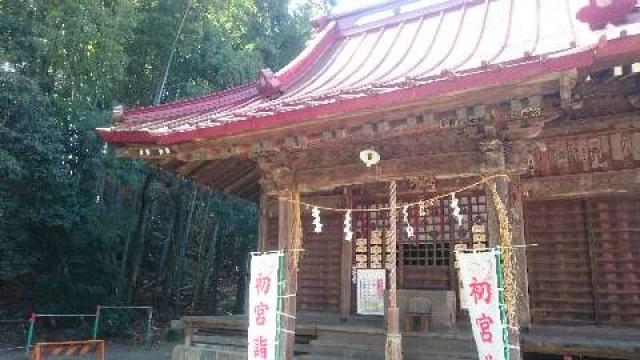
{"x":409,"y":342}
{"x":181,"y":352}
{"x":378,"y":356}
{"x":230,"y":340}
{"x":343,"y":353}
{"x":333,"y":344}
{"x":429,"y":354}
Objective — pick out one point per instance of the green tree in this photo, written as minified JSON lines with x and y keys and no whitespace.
{"x":79,"y":226}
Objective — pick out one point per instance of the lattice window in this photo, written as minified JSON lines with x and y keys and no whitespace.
{"x":426,"y":254}
{"x":435,"y":233}
{"x":438,"y":231}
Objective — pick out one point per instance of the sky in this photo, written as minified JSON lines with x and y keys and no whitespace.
{"x":347,"y":5}
{"x":343,"y":5}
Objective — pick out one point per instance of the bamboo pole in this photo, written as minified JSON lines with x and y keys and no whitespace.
{"x":503,"y":305}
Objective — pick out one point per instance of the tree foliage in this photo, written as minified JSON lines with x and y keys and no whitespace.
{"x":79,"y":226}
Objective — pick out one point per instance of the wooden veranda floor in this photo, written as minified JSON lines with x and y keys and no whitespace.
{"x":597,"y":341}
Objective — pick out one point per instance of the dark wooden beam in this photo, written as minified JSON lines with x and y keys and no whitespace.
{"x":441,"y":165}
{"x":581,"y":185}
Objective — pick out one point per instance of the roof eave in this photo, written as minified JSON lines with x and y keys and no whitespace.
{"x":490,"y":77}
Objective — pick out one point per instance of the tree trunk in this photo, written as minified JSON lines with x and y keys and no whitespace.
{"x":242,"y":278}
{"x":182,"y":247}
{"x":125,"y":251}
{"x":207,"y":266}
{"x":199,"y":274}
{"x":215,"y":274}
{"x":140,"y":248}
{"x":174,"y":46}
{"x":164,"y":250}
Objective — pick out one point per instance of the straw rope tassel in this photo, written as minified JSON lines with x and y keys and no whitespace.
{"x":506,"y":248}
{"x":296,"y":229}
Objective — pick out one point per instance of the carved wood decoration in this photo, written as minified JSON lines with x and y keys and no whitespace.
{"x":614,"y":150}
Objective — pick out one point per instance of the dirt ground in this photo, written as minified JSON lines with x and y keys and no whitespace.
{"x":161,"y":351}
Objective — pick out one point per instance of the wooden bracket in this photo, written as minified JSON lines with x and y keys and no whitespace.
{"x":568,"y":81}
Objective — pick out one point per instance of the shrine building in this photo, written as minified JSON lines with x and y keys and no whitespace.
{"x":537,"y":101}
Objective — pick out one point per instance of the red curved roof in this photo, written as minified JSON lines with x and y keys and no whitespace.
{"x":396,"y":52}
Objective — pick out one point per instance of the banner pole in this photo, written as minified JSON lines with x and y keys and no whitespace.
{"x":96,"y":323}
{"x":279,"y":322}
{"x":149,"y":322}
{"x":32,"y":324}
{"x":503,"y":313}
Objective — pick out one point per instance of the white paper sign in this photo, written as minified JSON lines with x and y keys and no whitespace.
{"x":480,"y":287}
{"x":263,"y":307}
{"x":370,"y":291}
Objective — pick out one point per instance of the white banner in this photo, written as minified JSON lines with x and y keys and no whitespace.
{"x":370,"y":291}
{"x":480,"y":287}
{"x":263,"y":306}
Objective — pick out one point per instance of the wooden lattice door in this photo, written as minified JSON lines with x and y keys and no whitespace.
{"x":614,"y":232}
{"x":586,"y":267}
{"x":560,"y":283}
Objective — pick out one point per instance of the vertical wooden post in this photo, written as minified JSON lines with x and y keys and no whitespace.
{"x":285,"y":239}
{"x":263,"y":226}
{"x":345,"y":266}
{"x":495,"y":159}
{"x":516,"y":206}
{"x":188,"y":332}
{"x":100,"y":351}
{"x":37,"y":352}
{"x":393,"y":346}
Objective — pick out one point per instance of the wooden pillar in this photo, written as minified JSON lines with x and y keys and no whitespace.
{"x":502,"y":186}
{"x":516,"y":206}
{"x":100,"y":351}
{"x":393,"y":346}
{"x":263,"y":225}
{"x":495,"y":159}
{"x":188,"y":332}
{"x":345,"y":265}
{"x":285,"y":241}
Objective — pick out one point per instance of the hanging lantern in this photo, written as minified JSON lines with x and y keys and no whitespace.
{"x":369,"y":157}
